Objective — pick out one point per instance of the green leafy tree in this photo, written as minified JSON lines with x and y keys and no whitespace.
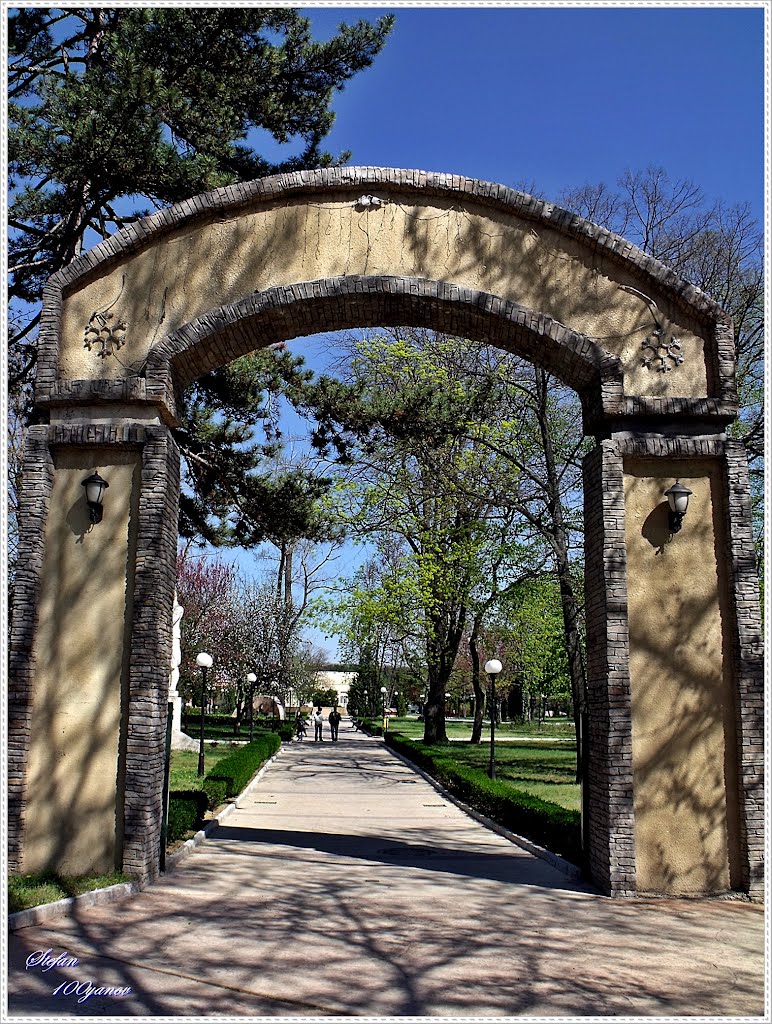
{"x":421,"y":483}
{"x":326,"y":698}
{"x":533,"y":639}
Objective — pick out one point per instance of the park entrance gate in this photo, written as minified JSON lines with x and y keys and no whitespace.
{"x":674,"y":642}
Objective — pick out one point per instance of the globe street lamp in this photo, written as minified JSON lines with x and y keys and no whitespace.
{"x":251,"y":679}
{"x":492,"y":669}
{"x":204,"y":661}
{"x":384,"y":691}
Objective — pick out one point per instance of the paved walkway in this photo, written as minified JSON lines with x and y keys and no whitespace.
{"x":347,"y":886}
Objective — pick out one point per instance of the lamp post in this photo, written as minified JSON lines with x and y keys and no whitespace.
{"x":251,"y":679}
{"x":204,"y":661}
{"x":384,"y":691}
{"x":492,"y":669}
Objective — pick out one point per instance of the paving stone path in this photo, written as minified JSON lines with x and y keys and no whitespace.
{"x":347,"y":886}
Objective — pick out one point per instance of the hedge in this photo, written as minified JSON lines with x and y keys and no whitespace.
{"x":369,"y":726}
{"x":232,"y":774}
{"x":186,"y":810}
{"x":547,"y":824}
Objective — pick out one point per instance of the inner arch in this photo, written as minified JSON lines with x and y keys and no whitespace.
{"x":291,"y":311}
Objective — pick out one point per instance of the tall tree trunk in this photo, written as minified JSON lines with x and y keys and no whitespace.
{"x":441,"y":650}
{"x":559,"y":541}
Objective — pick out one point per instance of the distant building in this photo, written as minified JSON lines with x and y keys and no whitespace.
{"x":338,"y":681}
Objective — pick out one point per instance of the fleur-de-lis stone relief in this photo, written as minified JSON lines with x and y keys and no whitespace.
{"x":101,"y":332}
{"x":664,"y":349}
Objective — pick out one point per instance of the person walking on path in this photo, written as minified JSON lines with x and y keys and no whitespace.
{"x":334,"y":720}
{"x":318,"y":723}
{"x":300,"y":725}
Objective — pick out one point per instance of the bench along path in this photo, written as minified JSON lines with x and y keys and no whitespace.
{"x":347,"y":885}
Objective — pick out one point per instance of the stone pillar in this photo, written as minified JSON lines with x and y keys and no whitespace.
{"x":610,"y":831}
{"x":91,"y":621}
{"x":674,"y":669}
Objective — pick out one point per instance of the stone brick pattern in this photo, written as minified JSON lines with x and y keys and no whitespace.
{"x":610,"y":831}
{"x":278,"y":314}
{"x":611,"y":853}
{"x":151,"y":648}
{"x":34,"y":499}
{"x":748,"y":659}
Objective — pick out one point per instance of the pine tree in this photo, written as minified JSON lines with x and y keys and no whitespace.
{"x":114,"y":112}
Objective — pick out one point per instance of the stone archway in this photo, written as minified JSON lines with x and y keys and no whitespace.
{"x":674,"y":640}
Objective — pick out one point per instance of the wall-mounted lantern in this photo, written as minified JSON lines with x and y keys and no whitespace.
{"x":95,"y":489}
{"x":678,"y":500}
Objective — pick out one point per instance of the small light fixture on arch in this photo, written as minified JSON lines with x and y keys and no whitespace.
{"x":95,"y":488}
{"x":678,"y":500}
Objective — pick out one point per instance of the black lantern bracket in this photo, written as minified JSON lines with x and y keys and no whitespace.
{"x":95,"y":488}
{"x":678,"y":503}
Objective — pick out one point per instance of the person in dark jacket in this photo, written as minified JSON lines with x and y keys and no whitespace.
{"x":334,"y":720}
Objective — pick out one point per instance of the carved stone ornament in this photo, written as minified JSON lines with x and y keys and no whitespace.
{"x":108,"y":336}
{"x":662,"y":347}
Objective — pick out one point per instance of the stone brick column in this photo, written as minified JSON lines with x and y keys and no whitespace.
{"x":34,"y":500}
{"x":747,"y":652}
{"x":151,"y":646}
{"x":610,"y":831}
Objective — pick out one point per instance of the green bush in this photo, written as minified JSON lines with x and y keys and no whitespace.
{"x":370,"y":726}
{"x":545,"y":823}
{"x":216,"y":790}
{"x":186,"y":812}
{"x":285,"y":731}
{"x":237,"y":769}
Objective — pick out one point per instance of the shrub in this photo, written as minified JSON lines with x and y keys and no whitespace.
{"x":216,"y":790}
{"x":237,"y":769}
{"x":370,"y":726}
{"x":186,"y":811}
{"x":545,"y":823}
{"x":285,"y":731}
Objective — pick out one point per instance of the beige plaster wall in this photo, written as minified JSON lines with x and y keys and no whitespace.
{"x":208,"y":264}
{"x":73,"y":784}
{"x":682,"y":703}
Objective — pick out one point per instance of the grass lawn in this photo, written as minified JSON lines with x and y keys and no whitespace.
{"x":543,"y":767}
{"x":462,"y":729}
{"x":545,"y":770}
{"x":184,"y":767}
{"x":25,"y":891}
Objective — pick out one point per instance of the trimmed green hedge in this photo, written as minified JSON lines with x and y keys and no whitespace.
{"x":370,"y":726}
{"x":232,"y":774}
{"x":545,"y":823}
{"x":186,"y":811}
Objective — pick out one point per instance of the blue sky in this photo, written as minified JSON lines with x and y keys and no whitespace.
{"x":562,"y":96}
{"x":557,"y":97}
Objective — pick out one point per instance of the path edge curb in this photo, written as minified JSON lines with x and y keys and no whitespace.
{"x":573,"y":871}
{"x":68,"y":906}
{"x":71,"y":904}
